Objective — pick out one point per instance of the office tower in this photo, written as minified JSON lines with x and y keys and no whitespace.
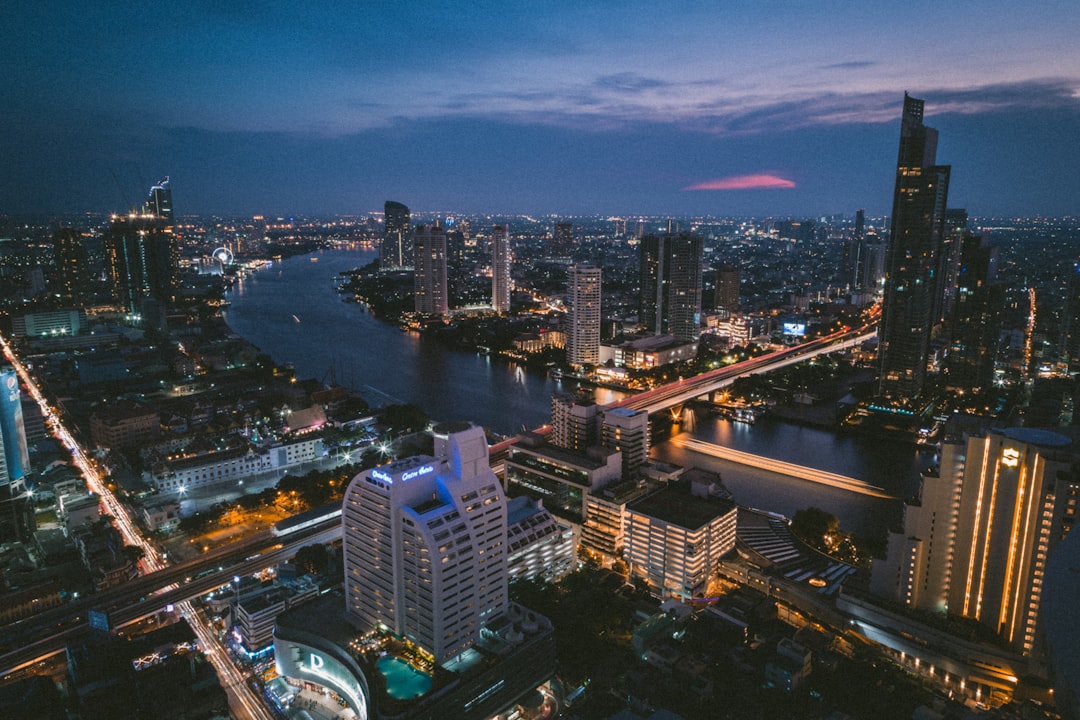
{"x":1069,"y":328}
{"x":620,"y":227}
{"x":396,"y":251}
{"x":141,"y":257}
{"x":72,"y":266}
{"x":860,"y":223}
{"x":16,"y":506}
{"x":975,"y":325}
{"x":425,"y":546}
{"x":583,"y":333}
{"x":727,"y":290}
{"x":574,"y":422}
{"x":976,"y":542}
{"x":159,"y":202}
{"x":913,"y":259}
{"x":429,"y":275}
{"x":671,"y":285}
{"x":627,"y":431}
{"x":500,"y":269}
{"x":562,"y":243}
{"x":952,"y":239}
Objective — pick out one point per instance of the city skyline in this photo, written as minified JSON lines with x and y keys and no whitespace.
{"x":686,"y":109}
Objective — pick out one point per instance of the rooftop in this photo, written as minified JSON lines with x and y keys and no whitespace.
{"x":677,"y":506}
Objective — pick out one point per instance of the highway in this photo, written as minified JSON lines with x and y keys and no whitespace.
{"x":244,"y":703}
{"x":682,"y":391}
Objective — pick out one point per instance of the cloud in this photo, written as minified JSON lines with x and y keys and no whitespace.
{"x":849,"y":65}
{"x":629,"y":82}
{"x":758,"y":181}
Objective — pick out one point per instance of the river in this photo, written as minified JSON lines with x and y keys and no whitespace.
{"x":293,"y":312}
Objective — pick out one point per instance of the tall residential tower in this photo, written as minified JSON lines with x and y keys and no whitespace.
{"x":671,"y":285}
{"x":500,"y":269}
{"x":583,"y":318}
{"x":430,"y":274}
{"x":913,"y":263}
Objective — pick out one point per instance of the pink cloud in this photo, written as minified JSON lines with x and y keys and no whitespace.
{"x":760,"y":181}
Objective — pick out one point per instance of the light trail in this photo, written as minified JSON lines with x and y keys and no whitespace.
{"x":244,"y":703}
{"x":802,"y":472}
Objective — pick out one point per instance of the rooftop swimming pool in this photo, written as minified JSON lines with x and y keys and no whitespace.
{"x":403,"y":681}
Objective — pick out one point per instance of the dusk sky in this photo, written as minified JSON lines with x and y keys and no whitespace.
{"x":727,"y":108}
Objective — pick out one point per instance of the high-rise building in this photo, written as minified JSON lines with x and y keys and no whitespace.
{"x":425,"y":546}
{"x":574,"y":422}
{"x":975,"y":324}
{"x":500,"y":269}
{"x":142,"y":257}
{"x":16,"y":507}
{"x":913,"y":264}
{"x":627,"y":431}
{"x":562,"y":243}
{"x":975,"y":543}
{"x":952,"y":240}
{"x":671,"y":285}
{"x":72,"y":266}
{"x":429,"y":275}
{"x":159,"y":202}
{"x":583,"y":333}
{"x":727,"y":290}
{"x":396,"y":251}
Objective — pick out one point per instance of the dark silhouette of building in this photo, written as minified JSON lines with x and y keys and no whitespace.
{"x":71,"y":261}
{"x":671,"y":285}
{"x":562,"y":243}
{"x":952,"y":238}
{"x":159,"y":202}
{"x":142,"y":257}
{"x":976,"y":318}
{"x":430,"y":274}
{"x":727,"y":290}
{"x":396,"y":251}
{"x":913,"y":261}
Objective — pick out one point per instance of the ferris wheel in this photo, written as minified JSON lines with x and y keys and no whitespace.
{"x":224,"y":256}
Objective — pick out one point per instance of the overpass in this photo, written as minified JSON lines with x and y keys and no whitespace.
{"x":683,"y":391}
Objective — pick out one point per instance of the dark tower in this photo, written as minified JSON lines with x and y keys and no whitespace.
{"x":976,"y":317}
{"x":562,"y":244}
{"x":159,"y":201}
{"x":71,"y":260}
{"x":671,"y":285}
{"x":727,"y":290}
{"x":912,"y":282}
{"x":396,"y":251}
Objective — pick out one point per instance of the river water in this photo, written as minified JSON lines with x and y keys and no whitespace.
{"x":293,"y":312}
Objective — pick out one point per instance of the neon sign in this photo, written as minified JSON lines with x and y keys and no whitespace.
{"x":380,"y":475}
{"x":1010,"y":457}
{"x":418,"y":472}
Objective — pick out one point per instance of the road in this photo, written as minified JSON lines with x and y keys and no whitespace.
{"x":244,"y":703}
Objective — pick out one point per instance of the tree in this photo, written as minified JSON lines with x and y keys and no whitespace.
{"x":815,"y":526}
{"x":312,"y":559}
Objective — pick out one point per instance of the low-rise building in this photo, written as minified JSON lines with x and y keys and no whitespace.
{"x":561,"y":478}
{"x":124,"y":424}
{"x":645,"y":353}
{"x":539,"y":547}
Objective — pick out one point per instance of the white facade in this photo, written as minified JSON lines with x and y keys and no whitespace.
{"x":583,"y":319}
{"x":232,"y":466}
{"x":425,"y":546}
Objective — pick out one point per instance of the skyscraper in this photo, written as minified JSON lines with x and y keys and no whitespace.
{"x":671,"y":285}
{"x":396,"y":250}
{"x":71,"y":261}
{"x":912,"y":282}
{"x":976,"y":542}
{"x":425,"y":546}
{"x":500,"y":269}
{"x":429,"y":274}
{"x":142,"y":255}
{"x":159,"y":202}
{"x":16,"y":507}
{"x":562,"y":243}
{"x":975,"y":323}
{"x":583,"y":333}
{"x":727,"y":290}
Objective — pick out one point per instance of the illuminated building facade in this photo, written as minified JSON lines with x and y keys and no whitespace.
{"x":425,"y":546}
{"x":396,"y":251}
{"x":159,"y":201}
{"x":583,"y":316}
{"x":627,"y":431}
{"x":16,"y":507}
{"x":671,"y":285}
{"x":977,"y":544}
{"x":913,"y":263}
{"x":430,"y":273}
{"x":500,"y":269}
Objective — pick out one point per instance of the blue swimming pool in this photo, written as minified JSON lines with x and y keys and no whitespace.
{"x":403,"y":681}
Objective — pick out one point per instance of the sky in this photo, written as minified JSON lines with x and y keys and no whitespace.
{"x":762,"y":107}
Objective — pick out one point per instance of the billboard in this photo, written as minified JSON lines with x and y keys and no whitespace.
{"x":795,"y":328}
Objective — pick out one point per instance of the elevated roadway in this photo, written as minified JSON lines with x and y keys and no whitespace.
{"x":683,"y":391}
